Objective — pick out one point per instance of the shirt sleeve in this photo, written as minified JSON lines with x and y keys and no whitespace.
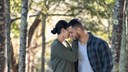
{"x":62,"y":52}
{"x":106,"y":57}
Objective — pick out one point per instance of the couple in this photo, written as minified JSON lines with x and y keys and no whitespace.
{"x":87,"y":53}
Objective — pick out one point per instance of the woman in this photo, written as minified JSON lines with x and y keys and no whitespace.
{"x":63,"y":57}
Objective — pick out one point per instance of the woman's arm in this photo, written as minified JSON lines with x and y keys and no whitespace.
{"x":64,"y":53}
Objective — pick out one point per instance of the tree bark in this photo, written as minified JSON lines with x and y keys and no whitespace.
{"x":23,"y":35}
{"x":117,"y":31}
{"x":43,"y":43}
{"x":32,"y":29}
{"x":122,"y":61}
{"x":8,"y":44}
{"x":2,"y":36}
{"x":127,"y":36}
{"x":127,"y":53}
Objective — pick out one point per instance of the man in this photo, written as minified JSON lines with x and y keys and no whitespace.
{"x":94,"y":53}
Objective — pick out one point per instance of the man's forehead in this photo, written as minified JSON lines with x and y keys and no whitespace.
{"x":73,"y":28}
{"x":70,"y":28}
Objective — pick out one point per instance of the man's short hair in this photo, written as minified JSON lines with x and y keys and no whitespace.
{"x":76,"y":23}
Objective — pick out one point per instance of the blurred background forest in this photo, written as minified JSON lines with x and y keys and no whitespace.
{"x":104,"y":18}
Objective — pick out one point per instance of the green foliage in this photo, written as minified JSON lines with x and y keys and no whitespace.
{"x":15,"y":7}
{"x":15,"y":30}
{"x":92,"y":26}
{"x":102,"y":8}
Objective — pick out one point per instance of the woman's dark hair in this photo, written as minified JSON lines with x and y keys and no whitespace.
{"x":60,"y":24}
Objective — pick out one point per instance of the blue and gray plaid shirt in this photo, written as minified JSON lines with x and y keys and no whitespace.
{"x":99,"y":54}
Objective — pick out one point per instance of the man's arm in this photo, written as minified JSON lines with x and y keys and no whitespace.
{"x":106,"y":57}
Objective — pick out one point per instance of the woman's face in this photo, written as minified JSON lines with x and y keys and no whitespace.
{"x":66,"y":33}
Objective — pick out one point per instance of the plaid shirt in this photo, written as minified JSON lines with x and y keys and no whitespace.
{"x":99,"y":54}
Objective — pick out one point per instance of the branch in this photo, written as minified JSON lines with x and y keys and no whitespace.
{"x":12,"y":20}
{"x":32,"y":29}
{"x":60,"y":15}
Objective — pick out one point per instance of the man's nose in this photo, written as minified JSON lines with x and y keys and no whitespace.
{"x":70,"y":35}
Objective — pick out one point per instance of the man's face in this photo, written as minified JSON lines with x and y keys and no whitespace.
{"x":73,"y":33}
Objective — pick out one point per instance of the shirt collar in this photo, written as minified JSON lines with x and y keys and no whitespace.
{"x":90,"y":38}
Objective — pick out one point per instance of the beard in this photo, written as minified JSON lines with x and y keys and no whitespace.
{"x":76,"y":37}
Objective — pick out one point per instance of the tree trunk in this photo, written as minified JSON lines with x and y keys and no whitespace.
{"x":8,"y":44}
{"x":122,"y":62}
{"x":43,"y":43}
{"x":2,"y":36}
{"x":32,"y":30}
{"x":43,"y":37}
{"x":23,"y":35}
{"x":127,"y":53}
{"x":30,"y":35}
{"x":127,"y":35}
{"x":117,"y":31}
